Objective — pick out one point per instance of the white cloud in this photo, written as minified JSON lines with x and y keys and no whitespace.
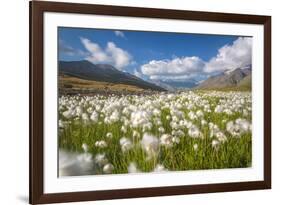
{"x":138,"y":74}
{"x":177,"y":69}
{"x":236,"y":55}
{"x":177,"y":78}
{"x":111,"y":54}
{"x":119,"y":34}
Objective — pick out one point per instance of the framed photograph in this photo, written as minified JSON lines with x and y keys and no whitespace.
{"x":138,"y":102}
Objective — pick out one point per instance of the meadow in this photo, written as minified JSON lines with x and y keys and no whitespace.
{"x":188,"y":130}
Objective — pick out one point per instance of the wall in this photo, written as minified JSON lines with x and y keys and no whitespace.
{"x":14,"y":101}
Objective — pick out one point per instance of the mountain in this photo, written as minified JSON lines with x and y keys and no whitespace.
{"x":246,"y":82}
{"x":86,"y":70}
{"x":181,"y":84}
{"x":237,"y":78}
{"x":164,"y":85}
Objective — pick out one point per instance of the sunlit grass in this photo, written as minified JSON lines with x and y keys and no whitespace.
{"x":190,"y":153}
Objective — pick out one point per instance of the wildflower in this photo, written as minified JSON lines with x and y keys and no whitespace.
{"x":218,"y":109}
{"x":174,"y":125}
{"x":199,"y":113}
{"x":71,"y":164}
{"x":108,"y":168}
{"x":109,"y":135}
{"x":101,"y":144}
{"x":150,"y":144}
{"x":136,"y":134}
{"x":115,"y":116}
{"x":85,"y":147}
{"x":159,"y":168}
{"x":123,"y":129}
{"x":195,"y":147}
{"x":194,"y":132}
{"x":79,"y":110}
{"x":233,"y":129}
{"x":176,"y":140}
{"x":221,"y":137}
{"x":238,"y":127}
{"x":203,"y":122}
{"x":192,"y":115}
{"x":132,"y":168}
{"x":101,"y":159}
{"x":94,"y":117}
{"x":147,"y":126}
{"x":156,"y":112}
{"x":243,"y":124}
{"x":68,"y":114}
{"x":178,"y":133}
{"x":61,"y":124}
{"x":161,"y":129}
{"x":125,"y":144}
{"x":140,"y":118}
{"x":215,"y":144}
{"x":166,"y":140}
{"x":85,"y":117}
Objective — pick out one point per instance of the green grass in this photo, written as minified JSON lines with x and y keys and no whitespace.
{"x":234,"y":153}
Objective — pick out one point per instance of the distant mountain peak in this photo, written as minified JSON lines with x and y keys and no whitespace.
{"x":229,"y":78}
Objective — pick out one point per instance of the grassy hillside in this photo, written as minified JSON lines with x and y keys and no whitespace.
{"x":246,"y":82}
{"x":67,"y":82}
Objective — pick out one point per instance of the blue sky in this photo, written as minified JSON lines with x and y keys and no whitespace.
{"x":156,"y":55}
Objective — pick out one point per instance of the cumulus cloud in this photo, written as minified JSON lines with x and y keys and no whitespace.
{"x":119,"y":34}
{"x":175,"y":69}
{"x":236,"y":55}
{"x":138,"y":74}
{"x":110,"y":54}
{"x":230,"y":56}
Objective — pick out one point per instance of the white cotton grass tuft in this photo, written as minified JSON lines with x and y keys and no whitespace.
{"x":176,"y":140}
{"x":101,"y":144}
{"x":160,"y":168}
{"x":132,"y":168}
{"x":194,"y":132}
{"x":123,"y":129}
{"x":85,"y":117}
{"x":140,"y":118}
{"x":136,"y":134}
{"x":75,"y":164}
{"x":239,"y":127}
{"x":150,"y":144}
{"x":221,"y":136}
{"x":68,"y":114}
{"x":94,"y":117}
{"x":108,"y":168}
{"x":215,"y":144}
{"x":101,"y":159}
{"x":115,"y":117}
{"x":161,"y":129}
{"x":109,"y":135}
{"x":85,"y":147}
{"x":61,"y":124}
{"x":195,"y":147}
{"x":125,"y":144}
{"x":166,"y":140}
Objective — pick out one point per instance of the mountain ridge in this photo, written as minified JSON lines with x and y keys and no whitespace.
{"x":103,"y":73}
{"x":239,"y":77}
